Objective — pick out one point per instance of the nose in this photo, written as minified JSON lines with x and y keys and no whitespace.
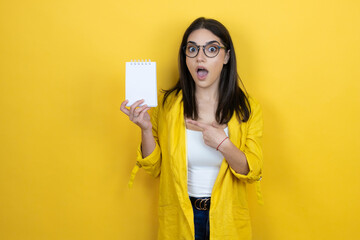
{"x":201,"y":56}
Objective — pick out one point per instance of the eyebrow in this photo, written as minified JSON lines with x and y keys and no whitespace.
{"x":213,"y":41}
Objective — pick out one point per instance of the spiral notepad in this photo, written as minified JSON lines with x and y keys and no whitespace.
{"x":140,"y":82}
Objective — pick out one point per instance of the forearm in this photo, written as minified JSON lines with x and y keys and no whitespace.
{"x":147,"y":142}
{"x":235,"y":158}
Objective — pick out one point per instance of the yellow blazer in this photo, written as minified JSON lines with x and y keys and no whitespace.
{"x":229,"y":214}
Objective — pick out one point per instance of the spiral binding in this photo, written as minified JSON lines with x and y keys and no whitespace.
{"x":140,"y":62}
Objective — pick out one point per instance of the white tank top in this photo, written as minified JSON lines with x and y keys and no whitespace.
{"x":203,"y":164}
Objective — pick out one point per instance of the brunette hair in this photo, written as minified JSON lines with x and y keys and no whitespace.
{"x":231,"y":97}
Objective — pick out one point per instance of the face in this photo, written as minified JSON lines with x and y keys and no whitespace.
{"x":204,"y":70}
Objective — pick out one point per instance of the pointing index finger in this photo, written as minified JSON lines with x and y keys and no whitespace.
{"x":203,"y":126}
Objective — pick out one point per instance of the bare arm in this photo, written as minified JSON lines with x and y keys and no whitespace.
{"x":147,"y":143}
{"x":235,"y":157}
{"x":141,"y":117}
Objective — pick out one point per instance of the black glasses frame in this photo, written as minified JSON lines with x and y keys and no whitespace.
{"x":203,"y":47}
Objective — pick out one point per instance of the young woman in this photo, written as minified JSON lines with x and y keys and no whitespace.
{"x":203,"y":140}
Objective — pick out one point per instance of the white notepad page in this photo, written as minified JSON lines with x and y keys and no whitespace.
{"x":140,"y":82}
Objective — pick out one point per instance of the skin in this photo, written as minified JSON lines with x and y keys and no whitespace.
{"x":213,"y":65}
{"x":206,"y":93}
{"x":141,"y":117}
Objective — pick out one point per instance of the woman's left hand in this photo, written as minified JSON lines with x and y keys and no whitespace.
{"x":212,"y":133}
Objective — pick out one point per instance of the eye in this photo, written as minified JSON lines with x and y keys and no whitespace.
{"x":192,"y":49}
{"x":212,"y":48}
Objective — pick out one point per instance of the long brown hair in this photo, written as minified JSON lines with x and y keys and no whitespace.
{"x":231,"y":97}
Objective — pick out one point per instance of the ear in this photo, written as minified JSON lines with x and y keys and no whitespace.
{"x":227,"y":57}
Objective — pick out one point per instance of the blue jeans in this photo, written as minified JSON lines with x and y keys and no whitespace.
{"x":201,"y":222}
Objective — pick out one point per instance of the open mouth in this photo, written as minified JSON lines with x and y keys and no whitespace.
{"x":201,"y":72}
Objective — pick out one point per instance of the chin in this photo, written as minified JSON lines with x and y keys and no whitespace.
{"x":203,"y":84}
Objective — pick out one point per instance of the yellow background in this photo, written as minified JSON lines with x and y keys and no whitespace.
{"x":66,"y":150}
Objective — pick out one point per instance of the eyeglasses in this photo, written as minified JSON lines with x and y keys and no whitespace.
{"x":210,"y":49}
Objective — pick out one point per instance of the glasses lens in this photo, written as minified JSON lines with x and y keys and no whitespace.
{"x":212,"y":50}
{"x":191,"y":50}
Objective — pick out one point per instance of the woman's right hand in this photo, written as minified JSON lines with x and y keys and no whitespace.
{"x":138,"y":115}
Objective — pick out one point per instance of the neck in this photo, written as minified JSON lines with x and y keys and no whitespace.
{"x":209,"y":94}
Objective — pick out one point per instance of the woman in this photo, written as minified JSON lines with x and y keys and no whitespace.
{"x":203,"y":140}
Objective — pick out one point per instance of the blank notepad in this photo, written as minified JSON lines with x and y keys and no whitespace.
{"x":140,"y":82}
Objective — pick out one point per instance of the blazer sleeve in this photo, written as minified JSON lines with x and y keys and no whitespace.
{"x":252,"y":148}
{"x":152,"y":163}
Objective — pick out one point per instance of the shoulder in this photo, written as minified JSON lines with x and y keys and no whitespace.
{"x":171,"y":98}
{"x":256,"y":112}
{"x":253,"y":102}
{"x":255,"y":107}
{"x":168,"y":104}
{"x":169,"y":110}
